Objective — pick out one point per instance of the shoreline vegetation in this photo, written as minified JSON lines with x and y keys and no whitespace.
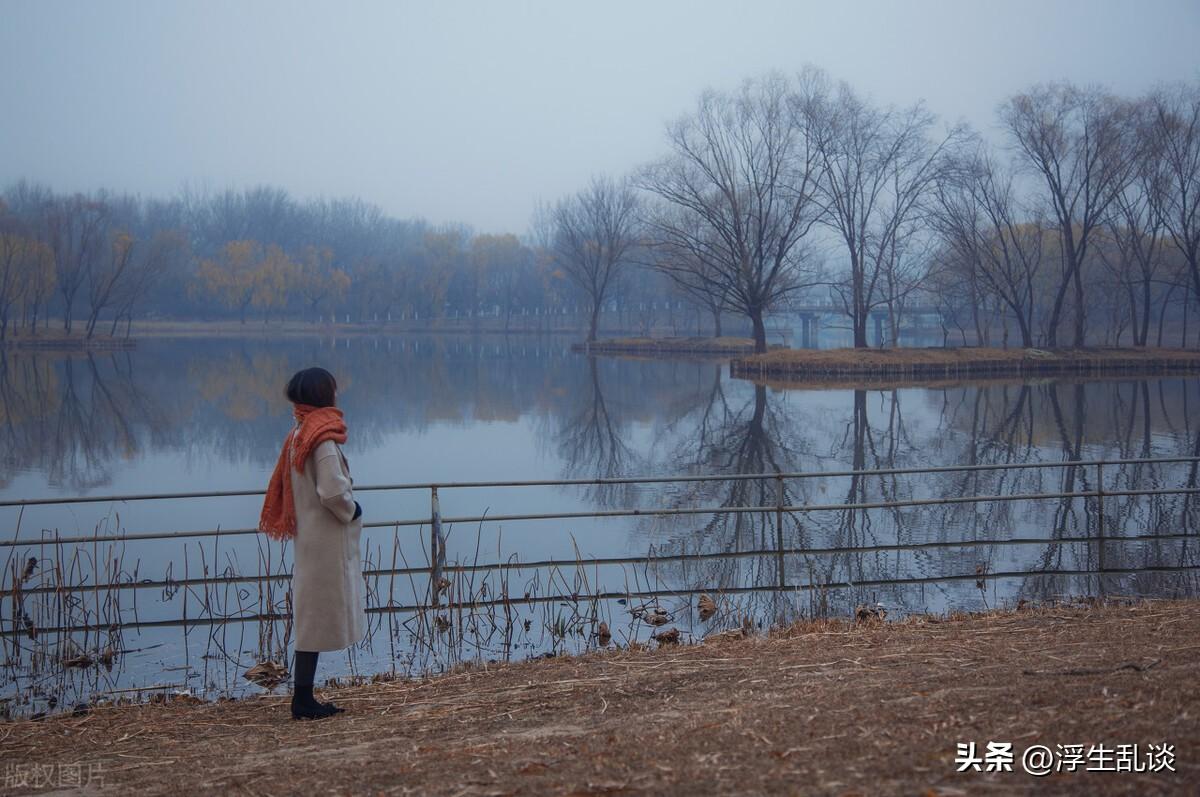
{"x":831,"y":706}
{"x":55,"y":339}
{"x":802,"y":367}
{"x":780,"y":367}
{"x":881,"y":385}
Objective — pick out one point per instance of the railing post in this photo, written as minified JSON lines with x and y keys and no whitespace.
{"x":779,"y":526}
{"x":437,"y":550}
{"x":1100,"y":514}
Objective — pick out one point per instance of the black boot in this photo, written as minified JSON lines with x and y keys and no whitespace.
{"x":304,"y":705}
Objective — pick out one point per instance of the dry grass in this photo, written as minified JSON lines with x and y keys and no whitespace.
{"x":969,"y":355}
{"x":826,"y":708}
{"x":899,"y":383}
{"x":796,"y":366}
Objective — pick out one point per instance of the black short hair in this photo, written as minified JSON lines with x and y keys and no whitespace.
{"x":315,"y":387}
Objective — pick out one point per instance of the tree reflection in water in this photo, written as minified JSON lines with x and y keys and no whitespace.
{"x":732,"y":428}
{"x":73,"y":417}
{"x":591,"y":440}
{"x":77,"y":420}
{"x":209,"y":414}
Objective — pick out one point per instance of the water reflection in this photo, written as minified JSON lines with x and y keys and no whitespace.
{"x":75,"y":419}
{"x":73,"y":423}
{"x":752,"y":429}
{"x":72,"y":419}
{"x":592,"y":439}
{"x":208,"y":414}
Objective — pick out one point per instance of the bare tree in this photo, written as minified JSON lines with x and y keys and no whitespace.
{"x":954,"y":282}
{"x":979,"y":219}
{"x":151,"y":262}
{"x":738,"y":197}
{"x":878,"y":164}
{"x":594,"y":233}
{"x":105,"y":275}
{"x":1176,"y":131}
{"x":1077,"y":141}
{"x":76,"y":229}
{"x":695,"y":278}
{"x":1131,"y":244}
{"x":905,"y":269}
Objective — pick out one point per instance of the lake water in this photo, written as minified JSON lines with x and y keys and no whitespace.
{"x":209,"y":415}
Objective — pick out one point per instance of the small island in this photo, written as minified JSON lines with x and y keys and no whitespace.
{"x":801,"y":366}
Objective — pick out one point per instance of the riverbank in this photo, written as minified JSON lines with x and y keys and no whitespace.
{"x":54,"y":337}
{"x":800,"y":367}
{"x":668,"y":347}
{"x":59,"y":341}
{"x":828,"y":708}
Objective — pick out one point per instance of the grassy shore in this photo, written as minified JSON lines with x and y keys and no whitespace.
{"x":819,"y":708}
{"x":802,"y":366}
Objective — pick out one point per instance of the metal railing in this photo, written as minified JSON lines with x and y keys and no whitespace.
{"x":605,"y":561}
{"x":436,"y":521}
{"x":603,"y":595}
{"x":810,"y":474}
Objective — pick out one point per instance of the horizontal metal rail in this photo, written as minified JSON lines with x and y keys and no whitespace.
{"x":801,"y":508}
{"x":608,"y":595}
{"x":656,"y":559}
{"x":171,"y":535}
{"x":616,"y":480}
{"x":615,"y":513}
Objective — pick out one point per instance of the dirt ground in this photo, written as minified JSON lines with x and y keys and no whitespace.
{"x":824,"y":708}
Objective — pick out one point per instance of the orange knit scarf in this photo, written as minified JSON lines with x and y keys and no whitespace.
{"x":314,"y":425}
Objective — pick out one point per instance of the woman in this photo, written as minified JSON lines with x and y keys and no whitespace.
{"x":310,"y":501}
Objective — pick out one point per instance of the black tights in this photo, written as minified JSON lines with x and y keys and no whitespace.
{"x":306,"y":672}
{"x":304,"y":704}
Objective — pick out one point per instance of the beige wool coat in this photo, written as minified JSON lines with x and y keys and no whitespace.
{"x":328,"y":606}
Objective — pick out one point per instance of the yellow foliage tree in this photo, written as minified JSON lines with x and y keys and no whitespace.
{"x":442,"y":250}
{"x":273,"y":278}
{"x":231,"y":278}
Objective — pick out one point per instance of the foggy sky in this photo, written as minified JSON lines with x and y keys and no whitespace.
{"x":471,"y":111}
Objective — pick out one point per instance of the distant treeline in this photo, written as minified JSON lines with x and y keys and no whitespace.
{"x":95,"y":262}
{"x":1081,"y":226}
